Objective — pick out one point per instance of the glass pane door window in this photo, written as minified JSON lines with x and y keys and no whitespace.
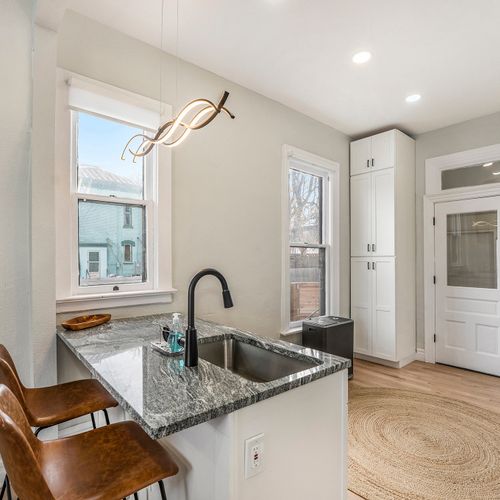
{"x":308,"y":243}
{"x":472,"y":249}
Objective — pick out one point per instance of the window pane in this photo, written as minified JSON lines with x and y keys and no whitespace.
{"x":109,"y":251}
{"x":307,"y":283}
{"x":473,"y":175}
{"x":101,"y":170}
{"x":471,"y":252}
{"x":305,"y":204}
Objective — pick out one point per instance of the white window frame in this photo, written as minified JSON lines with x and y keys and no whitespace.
{"x":329,"y":171}
{"x":119,"y":105}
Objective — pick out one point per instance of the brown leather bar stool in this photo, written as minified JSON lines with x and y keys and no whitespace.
{"x":107,"y":463}
{"x":48,"y":406}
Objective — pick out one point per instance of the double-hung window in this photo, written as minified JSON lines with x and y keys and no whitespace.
{"x":310,"y":250}
{"x":108,"y":208}
{"x":113,"y":205}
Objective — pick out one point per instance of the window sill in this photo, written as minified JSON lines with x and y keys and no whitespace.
{"x":291,"y":331}
{"x":112,"y":300}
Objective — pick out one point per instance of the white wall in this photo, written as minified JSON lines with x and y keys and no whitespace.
{"x":471,"y":134}
{"x":15,"y":129}
{"x":226,"y":178}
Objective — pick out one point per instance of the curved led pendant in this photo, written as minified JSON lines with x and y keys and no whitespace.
{"x":193,"y":116}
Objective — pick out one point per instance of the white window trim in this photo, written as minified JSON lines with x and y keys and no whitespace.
{"x":158,"y":288}
{"x":330,"y":169}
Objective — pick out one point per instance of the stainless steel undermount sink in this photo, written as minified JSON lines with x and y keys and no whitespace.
{"x":251,"y":362}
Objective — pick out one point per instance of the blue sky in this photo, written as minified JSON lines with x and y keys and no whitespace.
{"x":101,"y":142}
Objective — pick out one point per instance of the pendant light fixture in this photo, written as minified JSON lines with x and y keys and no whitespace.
{"x":193,"y":116}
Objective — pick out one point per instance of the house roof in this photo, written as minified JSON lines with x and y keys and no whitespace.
{"x":97,"y":174}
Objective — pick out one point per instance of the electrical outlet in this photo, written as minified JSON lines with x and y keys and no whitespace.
{"x":254,"y":455}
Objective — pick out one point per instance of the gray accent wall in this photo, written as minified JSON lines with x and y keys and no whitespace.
{"x":471,"y":134}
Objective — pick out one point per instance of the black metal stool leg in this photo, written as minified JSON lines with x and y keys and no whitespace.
{"x":4,"y":487}
{"x":40,"y":429}
{"x":93,"y":421}
{"x":9,"y":492}
{"x":162,"y":490}
{"x":136,"y":496}
{"x":106,"y":416}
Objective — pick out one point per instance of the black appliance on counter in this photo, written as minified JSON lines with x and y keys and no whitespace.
{"x":330,"y":334}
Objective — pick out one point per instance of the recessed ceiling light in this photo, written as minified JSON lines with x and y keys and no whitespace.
{"x":413,"y":98}
{"x":488,"y":164}
{"x":361,"y":57}
{"x":496,"y":173}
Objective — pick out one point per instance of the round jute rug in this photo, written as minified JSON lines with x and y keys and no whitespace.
{"x":411,"y":445}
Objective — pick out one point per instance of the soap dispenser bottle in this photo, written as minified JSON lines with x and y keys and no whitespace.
{"x":176,"y":333}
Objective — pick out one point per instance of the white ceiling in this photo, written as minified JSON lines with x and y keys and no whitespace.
{"x":298,"y":52}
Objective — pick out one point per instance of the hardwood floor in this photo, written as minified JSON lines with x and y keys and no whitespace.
{"x":475,"y":388}
{"x":471,"y":387}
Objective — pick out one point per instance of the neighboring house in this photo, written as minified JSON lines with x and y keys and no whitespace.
{"x":111,"y":236}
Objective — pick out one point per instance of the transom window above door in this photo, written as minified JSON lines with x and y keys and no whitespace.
{"x":471,"y":171}
{"x":472,"y":175}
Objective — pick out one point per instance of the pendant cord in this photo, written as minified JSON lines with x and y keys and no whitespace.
{"x":161,"y":54}
{"x":177,"y":53}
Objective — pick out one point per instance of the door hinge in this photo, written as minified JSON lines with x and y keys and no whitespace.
{"x":434,"y":338}
{"x":434,"y":221}
{"x":434,"y":279}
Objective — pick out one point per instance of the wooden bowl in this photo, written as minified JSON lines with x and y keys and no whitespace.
{"x":83,"y":322}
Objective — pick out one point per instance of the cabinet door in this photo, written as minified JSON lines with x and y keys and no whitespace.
{"x":383,"y":306}
{"x":361,"y":153}
{"x":383,"y":219}
{"x":361,"y":304}
{"x":361,"y":215}
{"x":383,"y":150}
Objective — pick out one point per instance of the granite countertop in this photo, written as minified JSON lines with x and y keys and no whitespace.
{"x":162,"y":395}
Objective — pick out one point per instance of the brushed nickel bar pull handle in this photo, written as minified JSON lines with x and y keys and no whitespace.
{"x":367,"y":163}
{"x":368,"y":247}
{"x":373,"y":247}
{"x":373,"y":162}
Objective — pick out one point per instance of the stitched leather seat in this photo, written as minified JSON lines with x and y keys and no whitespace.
{"x":47,"y":406}
{"x":108,"y":463}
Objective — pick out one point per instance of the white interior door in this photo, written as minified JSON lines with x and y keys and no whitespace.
{"x":384,"y":317}
{"x":361,"y":215}
{"x":467,"y":284}
{"x":361,"y":304}
{"x":361,"y":154}
{"x":383,"y":212}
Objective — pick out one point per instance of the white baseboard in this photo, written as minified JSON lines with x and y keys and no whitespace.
{"x":420,"y":355}
{"x":387,"y":362}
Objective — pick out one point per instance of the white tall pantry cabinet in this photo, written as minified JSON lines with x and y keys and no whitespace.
{"x":383,"y":247}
